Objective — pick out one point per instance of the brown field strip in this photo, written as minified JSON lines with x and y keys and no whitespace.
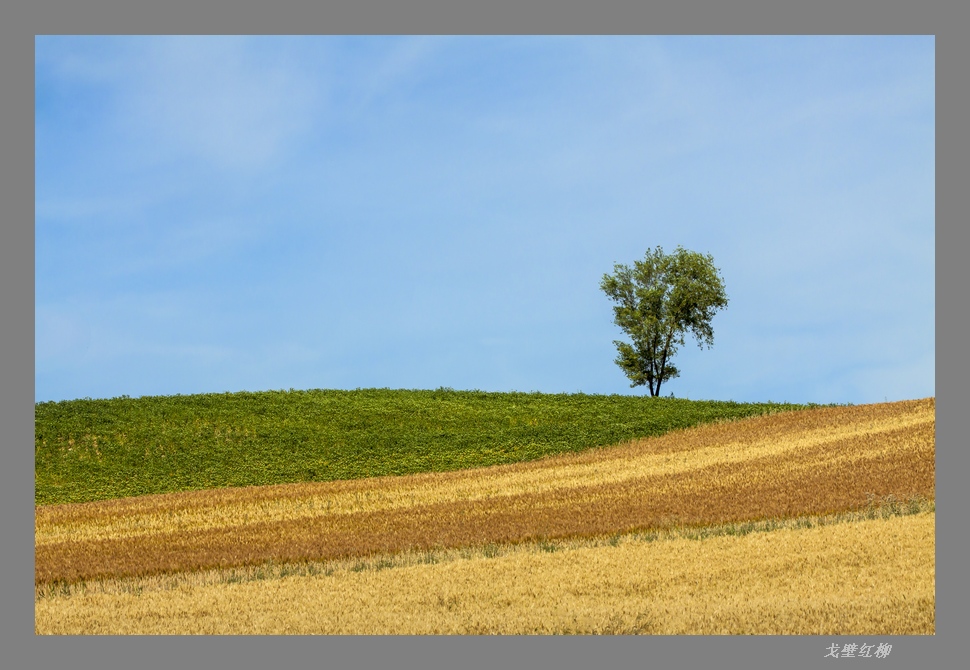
{"x":815,"y":461}
{"x":857,"y":577}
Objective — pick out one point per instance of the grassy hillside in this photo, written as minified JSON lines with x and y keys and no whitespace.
{"x":820,"y":461}
{"x":89,"y":450}
{"x":815,"y":522}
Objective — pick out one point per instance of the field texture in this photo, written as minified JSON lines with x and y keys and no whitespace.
{"x":821,"y":461}
{"x":848,"y":577}
{"x":89,"y":450}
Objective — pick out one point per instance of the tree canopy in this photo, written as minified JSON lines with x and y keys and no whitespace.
{"x":658,"y":301}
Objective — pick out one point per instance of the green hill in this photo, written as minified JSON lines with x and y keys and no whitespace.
{"x":92,"y":449}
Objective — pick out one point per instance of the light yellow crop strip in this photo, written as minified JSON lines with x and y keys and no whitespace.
{"x":863,"y":578}
{"x":820,"y":482}
{"x":877,"y":508}
{"x":604,"y":466}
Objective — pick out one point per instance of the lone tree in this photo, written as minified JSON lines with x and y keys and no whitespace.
{"x":657,"y":301}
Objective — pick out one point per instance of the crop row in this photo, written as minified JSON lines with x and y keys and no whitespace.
{"x":860,"y":578}
{"x":817,"y":461}
{"x":91,"y":449}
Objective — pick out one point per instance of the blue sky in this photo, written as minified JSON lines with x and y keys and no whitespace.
{"x":249,"y":213}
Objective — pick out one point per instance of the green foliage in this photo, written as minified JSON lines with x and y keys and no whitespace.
{"x":87,"y":450}
{"x":658,"y":300}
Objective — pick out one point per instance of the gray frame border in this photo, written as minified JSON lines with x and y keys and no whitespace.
{"x":23,"y":21}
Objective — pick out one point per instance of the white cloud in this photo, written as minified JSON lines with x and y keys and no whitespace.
{"x":178,"y":246}
{"x":83,"y":58}
{"x":93,"y":209}
{"x":60,"y":337}
{"x":154,"y":334}
{"x":83,"y":209}
{"x":480,"y":188}
{"x":400,"y":63}
{"x":235,"y":102}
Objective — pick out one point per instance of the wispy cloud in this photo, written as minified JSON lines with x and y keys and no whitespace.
{"x":183,"y":246}
{"x":246,"y":212}
{"x":236,"y":103}
{"x":60,"y":337}
{"x":398,"y":65}
{"x":91,"y":210}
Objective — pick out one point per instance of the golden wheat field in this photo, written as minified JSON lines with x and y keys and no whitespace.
{"x":657,"y":536}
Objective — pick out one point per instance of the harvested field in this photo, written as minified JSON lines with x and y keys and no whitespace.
{"x":846,"y":577}
{"x":818,"y":461}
